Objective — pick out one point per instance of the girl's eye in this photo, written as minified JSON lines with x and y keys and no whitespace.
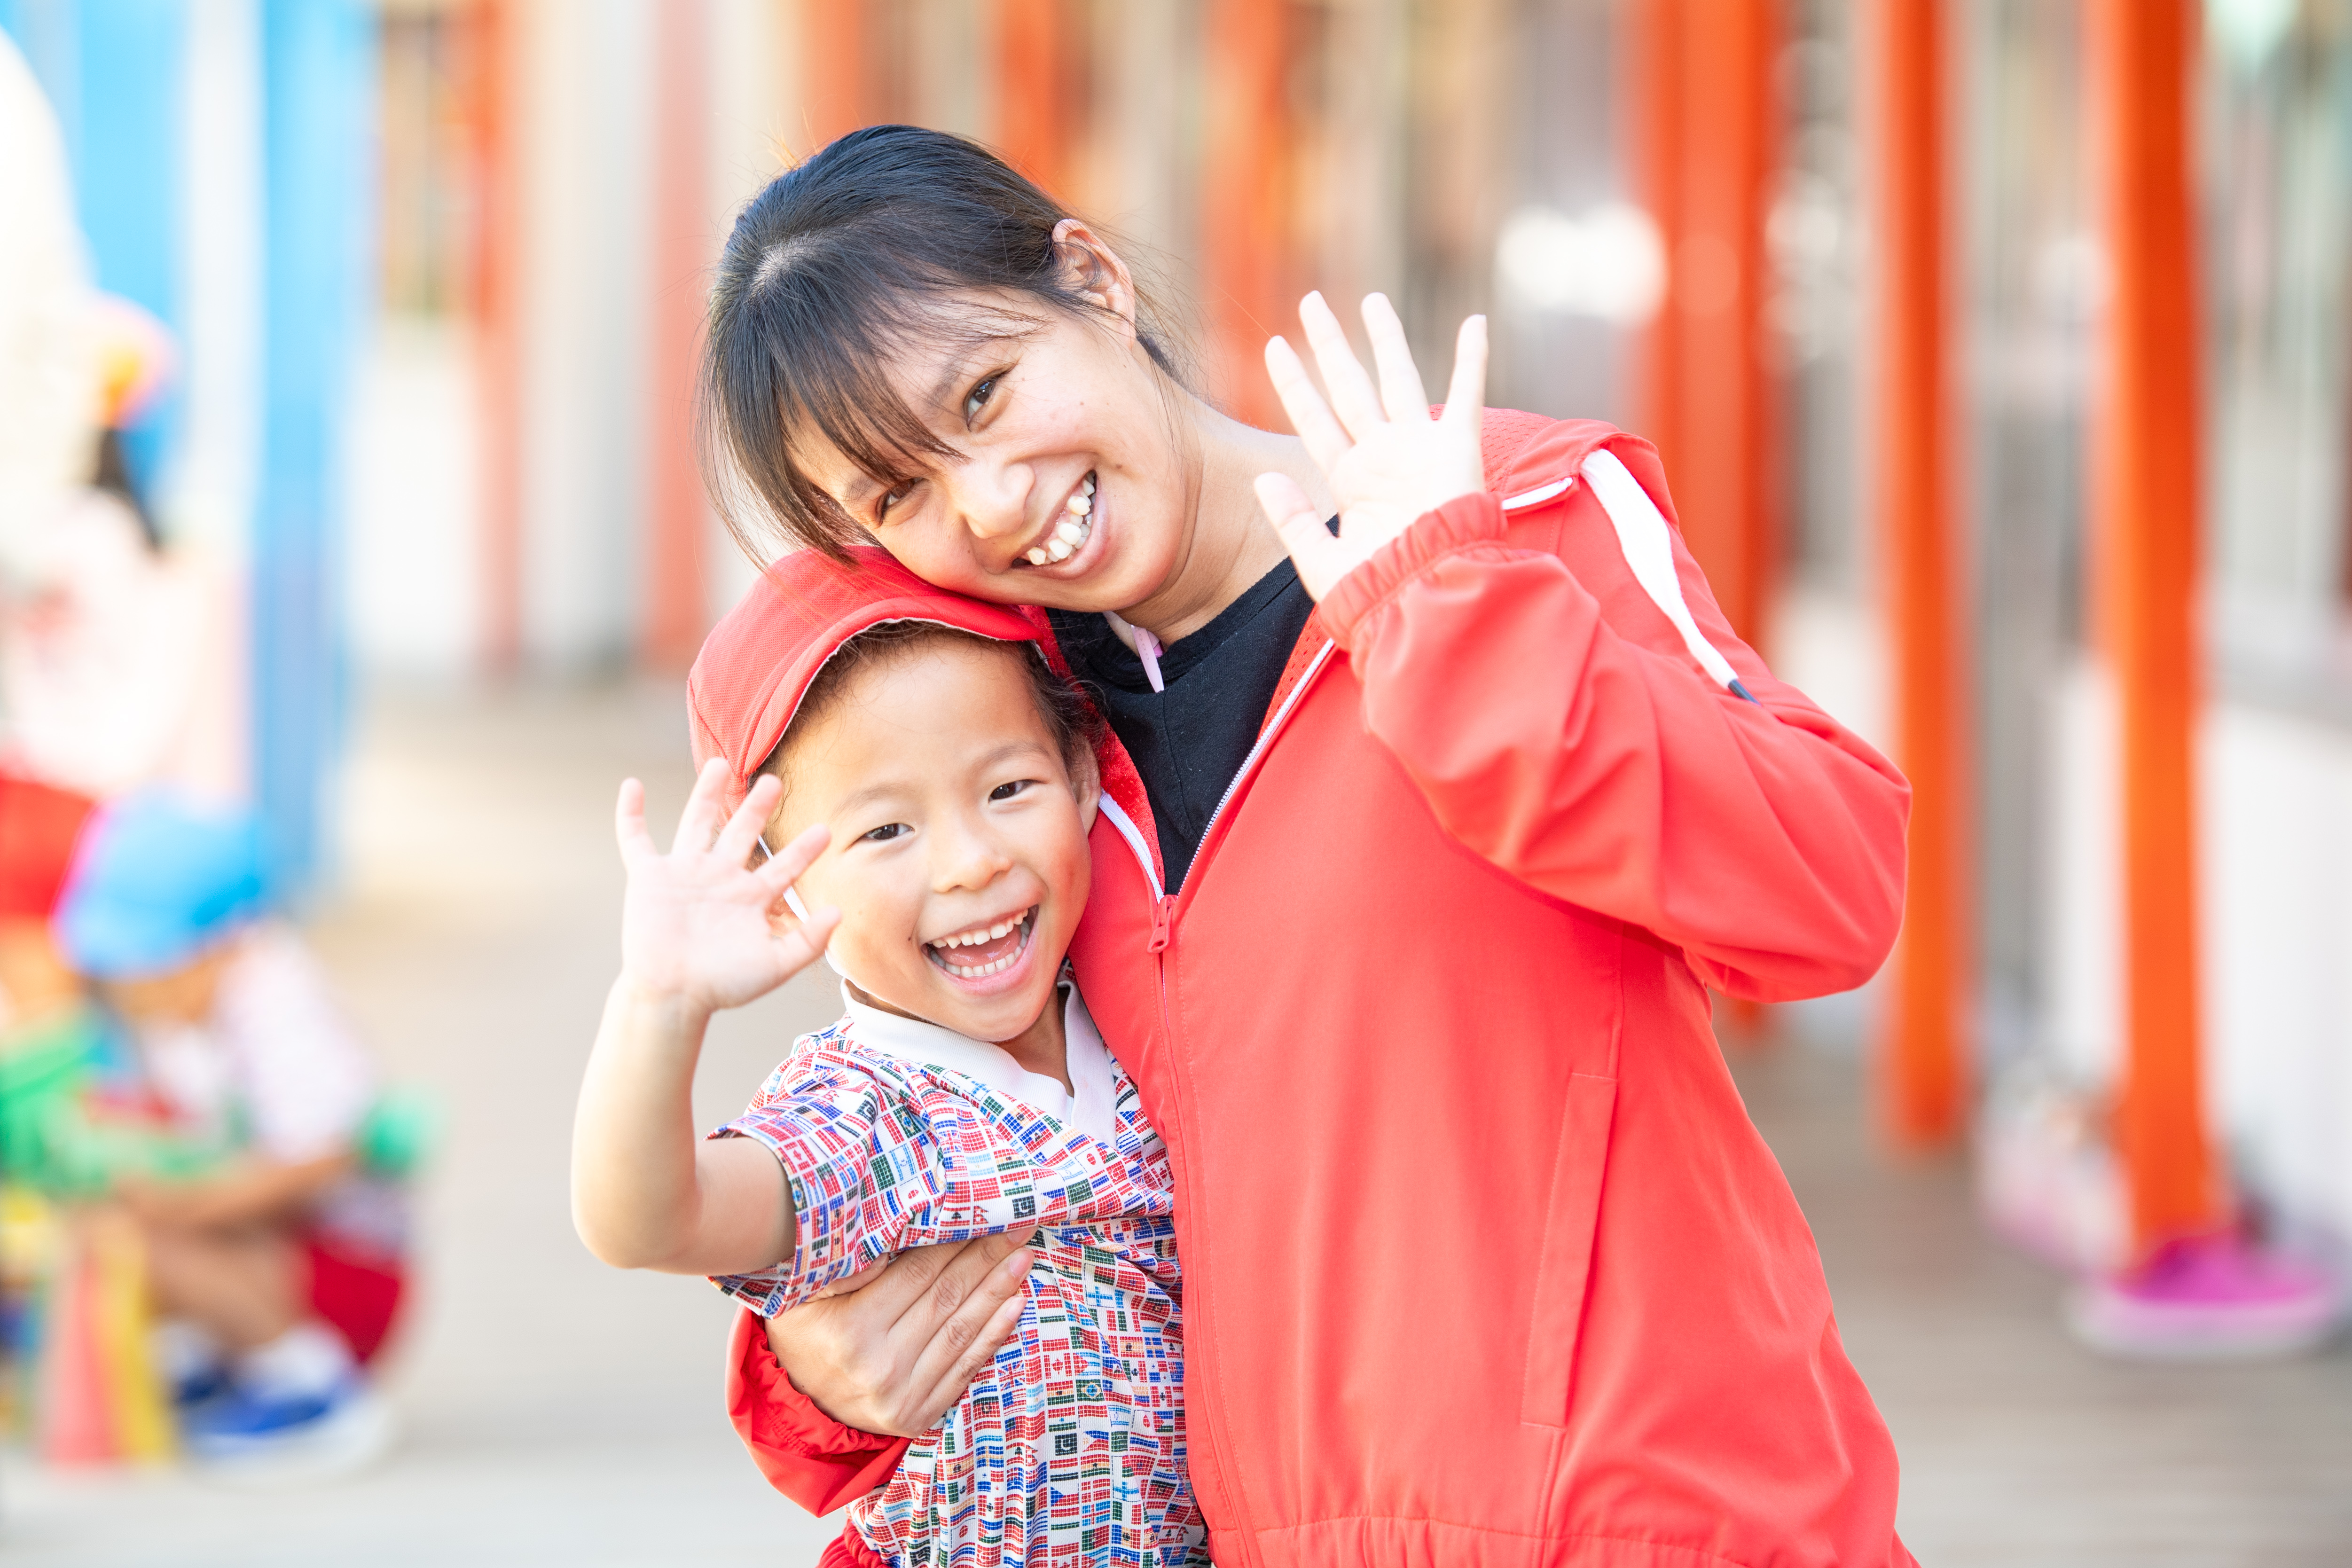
{"x":884,"y":834}
{"x":1008,"y":790}
{"x":891,"y":499}
{"x":977,"y":398}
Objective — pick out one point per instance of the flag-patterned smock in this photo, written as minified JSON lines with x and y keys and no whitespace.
{"x":1069,"y":1447}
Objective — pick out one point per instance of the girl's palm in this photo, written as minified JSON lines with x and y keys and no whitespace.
{"x":1386,"y":461}
{"x":700,"y":925}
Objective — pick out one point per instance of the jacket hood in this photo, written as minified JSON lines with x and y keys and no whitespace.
{"x":757,"y":662}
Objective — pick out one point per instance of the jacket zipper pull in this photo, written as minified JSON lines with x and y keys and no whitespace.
{"x":1163,"y":917}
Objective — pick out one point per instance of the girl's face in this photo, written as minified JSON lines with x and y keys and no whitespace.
{"x":1068,"y":486}
{"x":959,"y":855}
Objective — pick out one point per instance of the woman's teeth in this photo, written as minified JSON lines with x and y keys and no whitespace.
{"x":1070,"y":533}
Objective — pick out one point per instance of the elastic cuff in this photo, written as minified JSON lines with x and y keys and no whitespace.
{"x":1465,"y":521}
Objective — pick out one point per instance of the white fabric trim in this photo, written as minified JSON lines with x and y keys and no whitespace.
{"x":1134,"y":836}
{"x":1648,"y":542}
{"x":1537,"y":496}
{"x":1090,"y":1109}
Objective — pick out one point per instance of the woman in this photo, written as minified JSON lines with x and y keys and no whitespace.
{"x":1417,"y":859}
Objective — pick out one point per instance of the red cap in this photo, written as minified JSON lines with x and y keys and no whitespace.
{"x":757,"y":663}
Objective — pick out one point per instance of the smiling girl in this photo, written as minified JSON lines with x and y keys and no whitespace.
{"x":931,"y":782}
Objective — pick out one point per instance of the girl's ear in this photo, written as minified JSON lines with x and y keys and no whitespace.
{"x":1086,"y":782}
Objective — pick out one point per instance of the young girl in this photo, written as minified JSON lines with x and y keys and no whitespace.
{"x":931,"y":784}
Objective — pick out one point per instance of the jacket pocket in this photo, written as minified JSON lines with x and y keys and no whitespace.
{"x":1564,"y":1258}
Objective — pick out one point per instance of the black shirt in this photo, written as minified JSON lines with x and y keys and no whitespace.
{"x":1189,"y":741}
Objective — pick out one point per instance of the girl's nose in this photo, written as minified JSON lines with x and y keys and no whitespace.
{"x":968,"y":859}
{"x":995,"y":498}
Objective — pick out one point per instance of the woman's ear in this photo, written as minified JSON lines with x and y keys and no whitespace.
{"x":1094,"y":269}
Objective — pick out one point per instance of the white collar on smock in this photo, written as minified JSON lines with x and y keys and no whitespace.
{"x":1089,"y":1109}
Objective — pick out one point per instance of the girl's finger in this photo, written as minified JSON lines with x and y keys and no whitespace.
{"x":788,"y":861}
{"x":698,"y":823}
{"x":1400,"y":387}
{"x":742,"y":829}
{"x":806,"y":942}
{"x":629,"y":825}
{"x":1321,"y":559}
{"x":1465,"y":398}
{"x":1353,"y":398}
{"x":1327,"y":443}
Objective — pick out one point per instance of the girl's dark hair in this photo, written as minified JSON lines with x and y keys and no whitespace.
{"x":1068,"y":717}
{"x":843,"y":260}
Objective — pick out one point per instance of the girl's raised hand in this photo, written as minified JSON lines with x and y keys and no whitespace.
{"x":701,"y":926}
{"x":1386,"y":460}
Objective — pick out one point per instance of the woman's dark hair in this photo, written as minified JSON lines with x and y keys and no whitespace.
{"x":839,"y":263}
{"x":1068,"y":717}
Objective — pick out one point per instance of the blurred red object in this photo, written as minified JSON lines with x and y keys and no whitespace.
{"x":39,"y":826}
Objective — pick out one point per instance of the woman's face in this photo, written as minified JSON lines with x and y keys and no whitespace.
{"x":1067,"y":485}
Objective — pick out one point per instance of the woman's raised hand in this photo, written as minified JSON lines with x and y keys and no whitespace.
{"x":1386,"y":460}
{"x":701,"y":926}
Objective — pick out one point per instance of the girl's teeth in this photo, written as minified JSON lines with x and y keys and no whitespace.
{"x":1036,"y":558}
{"x":1061,"y":549}
{"x":1080,"y":505}
{"x":1075,"y":532}
{"x":1087,"y":484}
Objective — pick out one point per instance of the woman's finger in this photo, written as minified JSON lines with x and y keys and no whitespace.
{"x":629,"y":825}
{"x":1321,"y":559}
{"x":735,"y":840}
{"x":1465,"y":397}
{"x":967,"y":1339}
{"x":1400,"y":387}
{"x":698,"y":823}
{"x":1353,"y":397}
{"x":1327,"y":443}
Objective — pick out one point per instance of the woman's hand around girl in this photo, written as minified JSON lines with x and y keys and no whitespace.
{"x":1386,"y":460}
{"x":701,"y":926}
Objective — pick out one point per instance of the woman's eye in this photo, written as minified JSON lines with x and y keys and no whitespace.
{"x":977,"y":398}
{"x":1008,"y":790}
{"x":891,"y":499}
{"x":884,"y":834}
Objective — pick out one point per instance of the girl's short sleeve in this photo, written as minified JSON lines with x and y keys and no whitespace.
{"x":860,"y":1164}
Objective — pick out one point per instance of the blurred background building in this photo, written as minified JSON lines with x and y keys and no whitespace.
{"x":1871,"y":272}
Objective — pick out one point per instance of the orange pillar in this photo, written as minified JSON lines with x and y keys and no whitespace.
{"x":1037,"y":88}
{"x":1709,"y":131}
{"x":1922,"y":1075}
{"x":1248,"y":283}
{"x":2146,"y":515}
{"x":836,"y":68}
{"x":490,"y":66}
{"x":675,"y":608}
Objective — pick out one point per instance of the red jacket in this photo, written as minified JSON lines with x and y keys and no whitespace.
{"x":1484,"y":1262}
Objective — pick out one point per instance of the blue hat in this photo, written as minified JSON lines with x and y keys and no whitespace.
{"x":159,"y":878}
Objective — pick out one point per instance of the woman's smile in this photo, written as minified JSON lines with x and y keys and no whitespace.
{"x":1061,"y":549}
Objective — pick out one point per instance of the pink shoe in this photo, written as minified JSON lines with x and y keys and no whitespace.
{"x":2216,"y":1297}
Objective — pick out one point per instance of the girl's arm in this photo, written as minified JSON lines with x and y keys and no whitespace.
{"x":700,"y":930}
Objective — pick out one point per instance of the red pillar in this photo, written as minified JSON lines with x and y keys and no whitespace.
{"x":1038,"y":85}
{"x":1248,"y":282}
{"x":1922,"y":1072}
{"x":675,"y":608}
{"x":1708,"y":134}
{"x":2147,"y":486}
{"x":491,"y":66}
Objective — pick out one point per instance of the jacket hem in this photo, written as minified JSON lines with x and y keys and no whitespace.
{"x":1435,"y":1543}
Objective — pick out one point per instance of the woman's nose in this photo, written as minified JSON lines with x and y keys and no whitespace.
{"x":994,"y":498}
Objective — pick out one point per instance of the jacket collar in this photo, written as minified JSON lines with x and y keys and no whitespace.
{"x":1090,"y":1109}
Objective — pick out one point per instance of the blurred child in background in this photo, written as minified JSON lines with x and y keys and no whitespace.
{"x":275,"y":1263}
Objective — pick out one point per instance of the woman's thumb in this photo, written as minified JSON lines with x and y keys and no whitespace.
{"x":1312,"y":549}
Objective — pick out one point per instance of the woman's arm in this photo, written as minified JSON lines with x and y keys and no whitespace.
{"x":699,"y":932}
{"x":1554,"y":718}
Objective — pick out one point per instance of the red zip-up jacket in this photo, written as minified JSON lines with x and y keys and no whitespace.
{"x":1483,"y":1261}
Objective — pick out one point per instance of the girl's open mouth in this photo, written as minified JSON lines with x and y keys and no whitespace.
{"x":1071,"y":532}
{"x":983,"y":950}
